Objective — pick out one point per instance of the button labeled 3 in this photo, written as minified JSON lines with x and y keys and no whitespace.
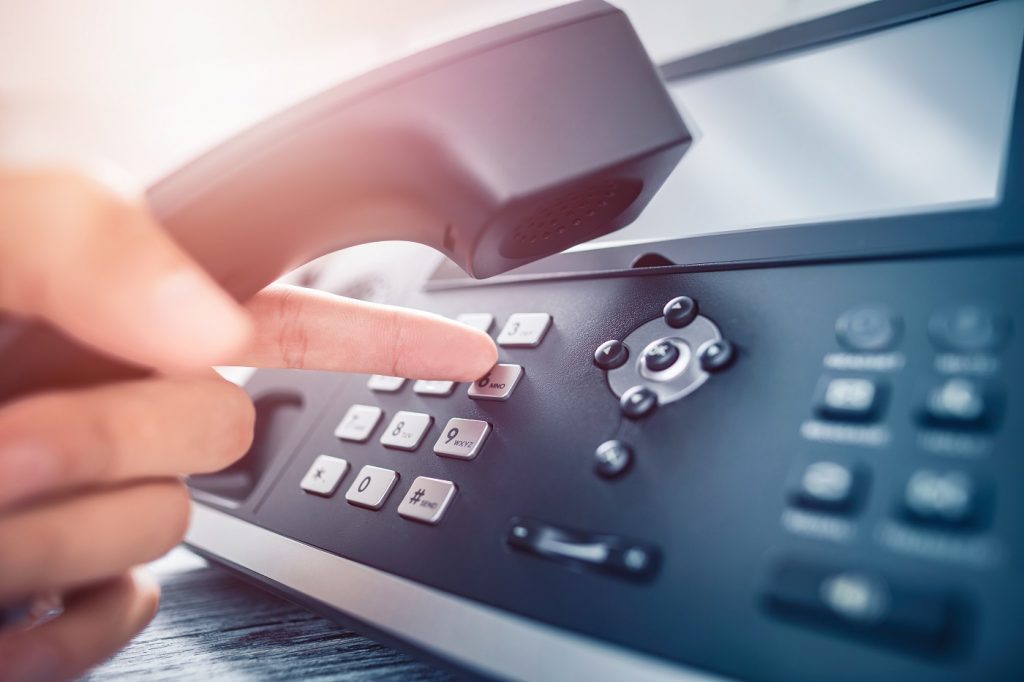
{"x":462,"y":438}
{"x":524,"y":330}
{"x":406,"y":430}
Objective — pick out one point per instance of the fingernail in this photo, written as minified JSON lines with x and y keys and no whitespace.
{"x":199,"y":322}
{"x":26,"y":469}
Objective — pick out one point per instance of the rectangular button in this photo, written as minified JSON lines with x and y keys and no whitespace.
{"x":358,"y":423}
{"x":524,"y":330}
{"x":462,"y":438}
{"x":860,"y":602}
{"x":826,"y":484}
{"x":385,"y":384}
{"x":371,"y":487}
{"x":441,"y":388}
{"x":427,"y":499}
{"x":406,"y":430}
{"x":852,"y":399}
{"x":324,"y":476}
{"x":496,"y":384}
{"x":481,"y":321}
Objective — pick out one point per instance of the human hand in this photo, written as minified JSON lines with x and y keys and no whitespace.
{"x":90,"y":481}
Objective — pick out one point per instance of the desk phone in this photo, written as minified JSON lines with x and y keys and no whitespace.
{"x":769,"y":429}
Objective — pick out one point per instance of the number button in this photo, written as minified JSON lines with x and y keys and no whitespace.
{"x":406,"y":430}
{"x":481,"y":321}
{"x":497,"y":384}
{"x":524,"y":330}
{"x":371,"y":487}
{"x":462,"y":438}
{"x":439,"y":388}
{"x":385,"y":384}
{"x":358,"y":423}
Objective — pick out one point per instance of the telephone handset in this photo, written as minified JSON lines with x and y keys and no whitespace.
{"x":497,"y":149}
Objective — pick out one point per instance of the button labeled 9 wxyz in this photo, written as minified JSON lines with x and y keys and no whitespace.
{"x":462,"y":438}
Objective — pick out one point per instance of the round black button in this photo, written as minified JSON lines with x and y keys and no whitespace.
{"x":868,"y":328}
{"x":611,"y":354}
{"x":717,"y":355}
{"x":968,"y":328}
{"x":680,"y":311}
{"x":638,"y":402}
{"x":660,"y":356}
{"x":612,"y":458}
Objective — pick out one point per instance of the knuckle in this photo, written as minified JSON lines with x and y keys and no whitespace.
{"x":293,"y":338}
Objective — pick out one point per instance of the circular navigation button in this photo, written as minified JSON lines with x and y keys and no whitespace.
{"x":612,"y":458}
{"x":868,"y":328}
{"x":638,"y":402}
{"x":968,"y":328}
{"x":716,"y":355}
{"x":680,"y":311}
{"x":611,"y":354}
{"x":660,"y":356}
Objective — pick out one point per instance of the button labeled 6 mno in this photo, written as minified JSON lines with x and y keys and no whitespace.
{"x":497,"y":384}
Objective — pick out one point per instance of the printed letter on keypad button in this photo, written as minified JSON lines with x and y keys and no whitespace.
{"x":371,"y":487}
{"x":324,"y":476}
{"x":358,"y":423}
{"x":427,"y":499}
{"x":462,"y":438}
{"x":406,"y":430}
{"x":496,"y":384}
{"x":524,"y":330}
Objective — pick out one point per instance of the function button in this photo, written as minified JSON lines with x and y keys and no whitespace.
{"x":324,"y":476}
{"x":385,"y":384}
{"x":610,"y":554}
{"x":441,"y":388}
{"x":497,"y":384}
{"x":680,"y":311}
{"x":611,"y":354}
{"x":481,"y":321}
{"x":462,"y":438}
{"x":868,"y":328}
{"x":849,"y":398}
{"x":524,"y":330}
{"x":716,"y":355}
{"x":427,"y":499}
{"x":968,"y":328}
{"x":358,"y":423}
{"x":612,"y":458}
{"x":958,"y":403}
{"x":940,"y":497}
{"x":638,"y":402}
{"x":371,"y":487}
{"x":860,"y":602}
{"x":406,"y":430}
{"x":826,"y":485}
{"x":660,"y":355}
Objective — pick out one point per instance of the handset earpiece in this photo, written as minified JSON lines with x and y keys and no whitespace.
{"x":496,"y":149}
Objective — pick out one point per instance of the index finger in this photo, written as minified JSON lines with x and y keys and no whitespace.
{"x":305,"y":329}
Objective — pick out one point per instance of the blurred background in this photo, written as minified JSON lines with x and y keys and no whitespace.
{"x":149,"y":84}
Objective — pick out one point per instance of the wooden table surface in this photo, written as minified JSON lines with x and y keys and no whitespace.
{"x":214,"y":626}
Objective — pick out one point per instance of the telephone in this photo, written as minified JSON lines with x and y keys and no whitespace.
{"x":768,"y":429}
